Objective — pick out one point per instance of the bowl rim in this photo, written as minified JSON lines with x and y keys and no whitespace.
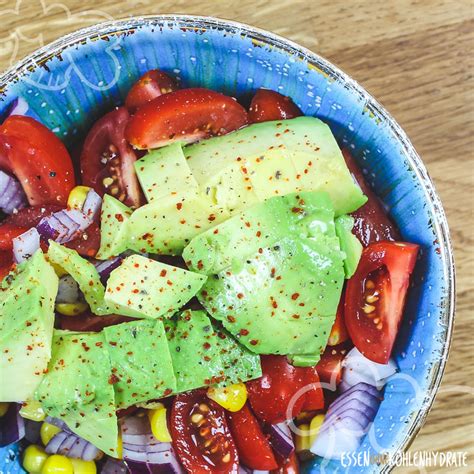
{"x":440,"y":224}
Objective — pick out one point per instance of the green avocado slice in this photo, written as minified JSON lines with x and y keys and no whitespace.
{"x":141,"y":362}
{"x":350,"y":244}
{"x":77,"y":388}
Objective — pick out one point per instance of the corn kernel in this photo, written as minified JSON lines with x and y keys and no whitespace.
{"x":57,"y":464}
{"x":47,"y":432}
{"x":83,"y":467}
{"x":33,"y":459}
{"x":159,"y":424}
{"x":71,"y":309}
{"x":232,"y":397}
{"x":314,"y":427}
{"x":302,"y":440}
{"x":32,"y":410}
{"x":77,"y":197}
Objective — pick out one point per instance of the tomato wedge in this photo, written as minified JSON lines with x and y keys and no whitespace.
{"x":6,"y":263}
{"x":7,"y":233}
{"x":253,"y":447}
{"x":372,"y":223}
{"x":289,"y":466}
{"x":38,"y":159}
{"x":375,"y":297}
{"x":185,"y":115}
{"x":271,"y":394}
{"x":151,"y":85}
{"x":201,"y":436}
{"x":339,"y":332}
{"x":329,"y":367}
{"x":107,"y":159}
{"x":270,"y":105}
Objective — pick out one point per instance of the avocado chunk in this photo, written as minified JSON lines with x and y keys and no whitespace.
{"x":280,"y":297}
{"x":84,"y":273}
{"x":141,"y":362}
{"x":280,"y":157}
{"x":204,"y":355}
{"x":166,"y":226}
{"x":144,"y":288}
{"x":194,"y":350}
{"x":350,"y":244}
{"x":78,"y":390}
{"x":26,"y":327}
{"x":162,"y":170}
{"x":230,"y":243}
{"x":114,"y":219}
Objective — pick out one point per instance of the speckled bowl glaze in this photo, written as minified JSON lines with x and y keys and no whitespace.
{"x":71,"y":82}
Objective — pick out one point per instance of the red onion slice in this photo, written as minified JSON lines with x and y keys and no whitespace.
{"x":12,"y":196}
{"x":281,"y":439}
{"x":114,"y":466}
{"x":73,"y":446}
{"x":92,"y":205}
{"x":63,"y":226}
{"x":25,"y":245}
{"x":12,"y":428}
{"x":106,"y":267}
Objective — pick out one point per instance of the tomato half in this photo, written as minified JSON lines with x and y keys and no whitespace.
{"x":339,"y":332}
{"x":6,"y":263}
{"x":253,"y":446}
{"x":270,"y":105}
{"x":7,"y":233}
{"x":371,"y":222}
{"x":375,"y":297}
{"x":107,"y":159}
{"x":314,"y":398}
{"x":270,"y":395}
{"x":289,"y":466}
{"x":88,"y":322}
{"x":36,"y":156}
{"x":185,"y":115}
{"x":329,"y":367}
{"x":201,"y":436}
{"x":151,"y":85}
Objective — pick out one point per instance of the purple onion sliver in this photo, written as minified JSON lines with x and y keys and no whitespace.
{"x":106,"y":267}
{"x":57,"y":422}
{"x":90,"y":452}
{"x":114,"y":466}
{"x":71,"y":225}
{"x":135,"y":467}
{"x":25,"y":245}
{"x":55,"y":442}
{"x":77,"y":449}
{"x":12,"y":428}
{"x":18,"y":107}
{"x":4,"y":181}
{"x":79,"y":218}
{"x":92,"y":205}
{"x":281,"y":439}
{"x":12,"y":196}
{"x":32,"y":430}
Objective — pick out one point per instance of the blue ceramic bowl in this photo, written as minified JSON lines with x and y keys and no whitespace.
{"x":71,"y":82}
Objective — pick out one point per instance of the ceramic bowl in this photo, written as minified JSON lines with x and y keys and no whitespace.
{"x":71,"y":82}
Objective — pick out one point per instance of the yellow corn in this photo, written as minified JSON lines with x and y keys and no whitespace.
{"x":159,"y":424}
{"x":3,"y":408}
{"x":232,"y":397}
{"x":57,"y":464}
{"x":47,"y":432}
{"x":77,"y":197}
{"x":32,"y":410}
{"x":71,"y":309}
{"x":314,"y":427}
{"x":33,"y":459}
{"x":83,"y":467}
{"x":302,"y":440}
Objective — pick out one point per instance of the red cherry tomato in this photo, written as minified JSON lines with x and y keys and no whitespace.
{"x":329,"y":367}
{"x":201,"y":436}
{"x":7,"y":233}
{"x":30,"y":216}
{"x":87,"y":243}
{"x":107,"y":159}
{"x":252,"y":445}
{"x":375,"y":297}
{"x":270,"y":395}
{"x":184,"y":115}
{"x":151,"y":85}
{"x":372,"y":223}
{"x":339,"y":332}
{"x":6,"y":263}
{"x":38,"y":159}
{"x":270,"y":105}
{"x":314,"y":398}
{"x":289,"y":466}
{"x":90,"y":323}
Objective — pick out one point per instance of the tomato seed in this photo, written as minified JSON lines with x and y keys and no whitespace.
{"x":196,"y":418}
{"x":371,"y":299}
{"x":203,"y":407}
{"x":376,"y":320}
{"x":368,"y":308}
{"x":379,"y":326}
{"x":226,"y":458}
{"x":204,"y":432}
{"x":369,"y":284}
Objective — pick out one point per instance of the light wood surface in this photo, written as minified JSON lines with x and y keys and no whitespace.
{"x":416,"y":57}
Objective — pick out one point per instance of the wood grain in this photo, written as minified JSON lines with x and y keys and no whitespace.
{"x":415,"y":57}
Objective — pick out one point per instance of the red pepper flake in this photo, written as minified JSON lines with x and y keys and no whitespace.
{"x":136,"y":265}
{"x":28,"y":323}
{"x":61,"y":361}
{"x":247,"y":224}
{"x":216,"y":231}
{"x":295,"y":316}
{"x":129,"y":353}
{"x":297,"y":210}
{"x":163,"y":273}
{"x":254,"y":342}
{"x":295,"y":296}
{"x":91,"y":283}
{"x":147,"y":236}
{"x":278,"y":277}
{"x":200,"y":265}
{"x":136,"y":290}
{"x":206,"y":345}
{"x":211,"y":217}
{"x":258,"y":234}
{"x":272,"y":273}
{"x":134,"y":395}
{"x":119,"y":217}
{"x":85,"y":346}
{"x":274,"y":304}
{"x":98,"y":344}
{"x":244,"y":170}
{"x":243,"y":332}
{"x":169,"y":282}
{"x":240,"y":295}
{"x":207,"y":358}
{"x":231,"y":319}
{"x":204,"y":293}
{"x":167,"y":392}
{"x":260,"y":250}
{"x":179,"y":206}
{"x":301,"y":304}
{"x":112,"y":343}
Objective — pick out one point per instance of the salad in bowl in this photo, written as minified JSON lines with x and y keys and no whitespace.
{"x":205,"y":283}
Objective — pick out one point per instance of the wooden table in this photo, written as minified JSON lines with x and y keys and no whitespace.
{"x":415,"y":57}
